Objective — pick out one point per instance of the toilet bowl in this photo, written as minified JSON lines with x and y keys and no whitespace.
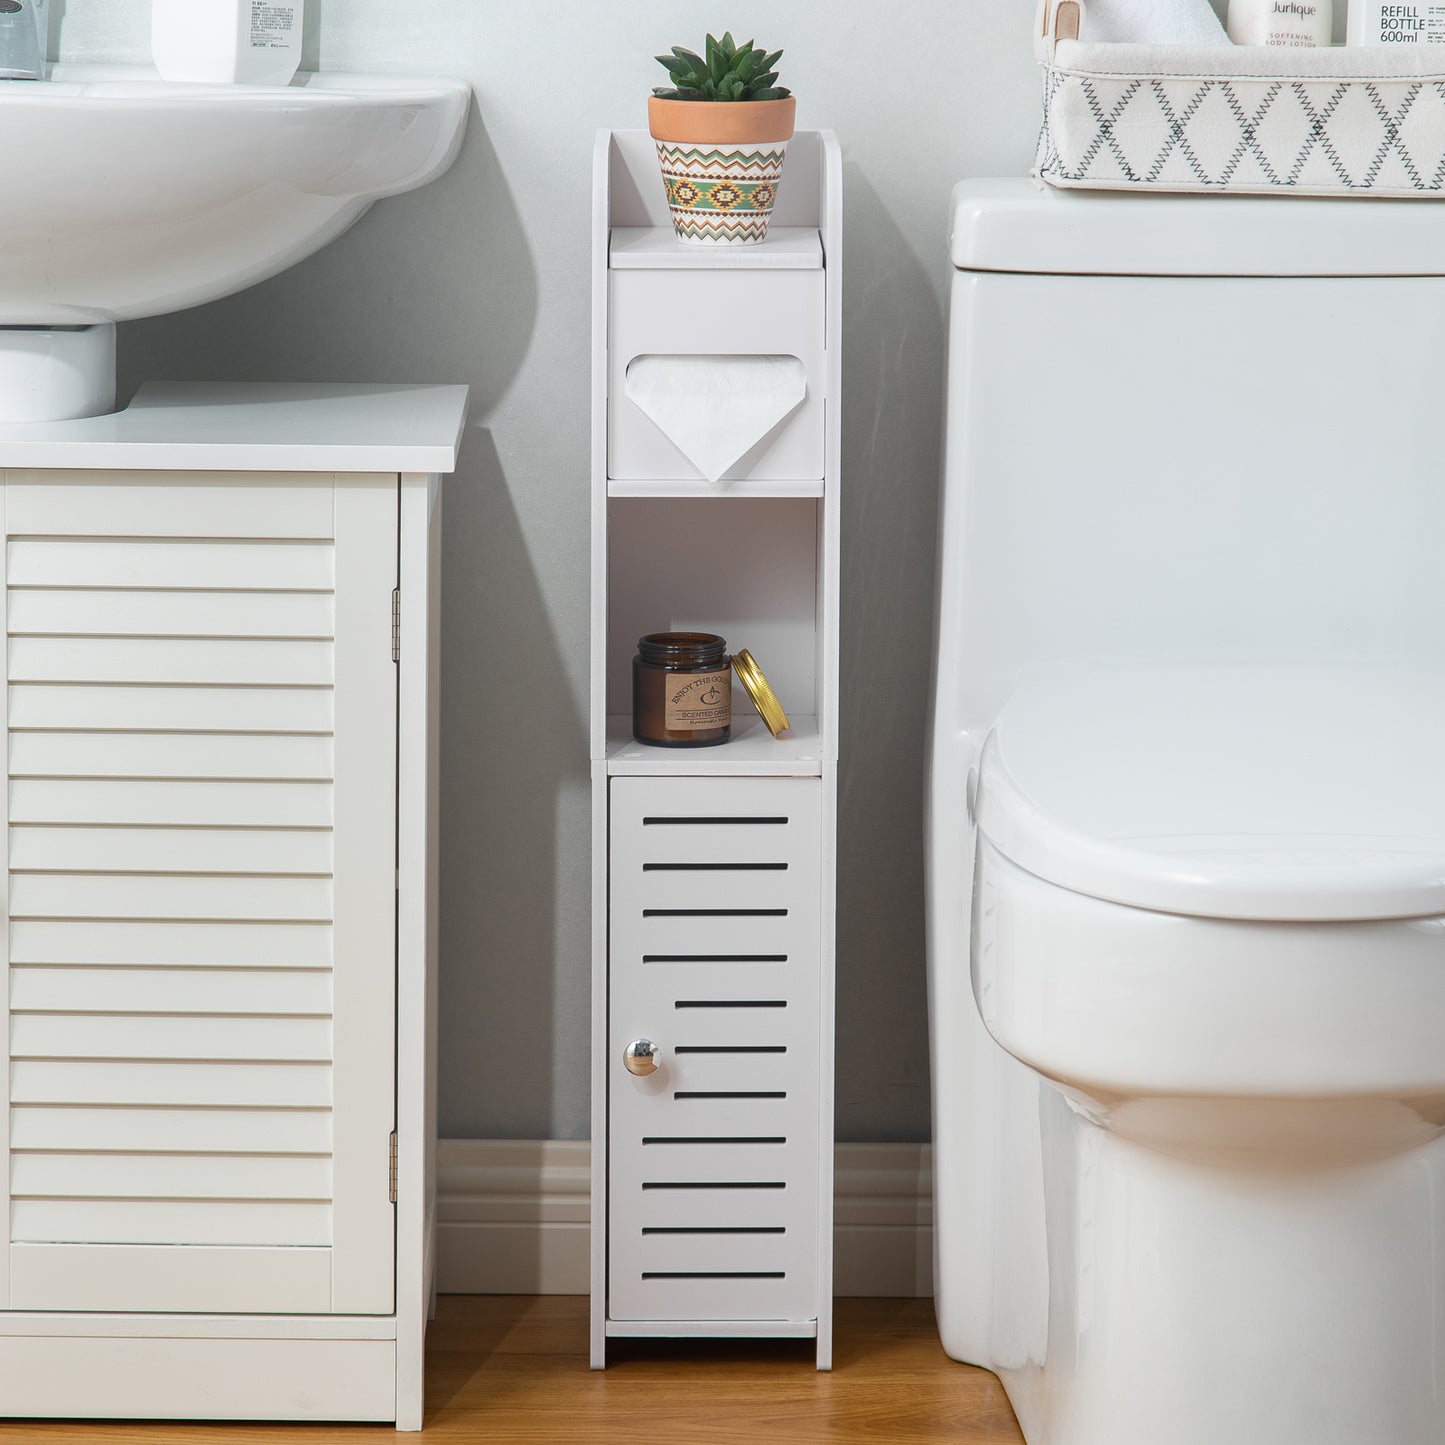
{"x":1224,"y":975}
{"x":1187,"y":831}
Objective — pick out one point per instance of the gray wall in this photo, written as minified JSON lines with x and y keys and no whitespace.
{"x":483,"y":278}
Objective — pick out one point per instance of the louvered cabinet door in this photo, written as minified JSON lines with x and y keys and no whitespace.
{"x":201,"y":713}
{"x":715,"y":944}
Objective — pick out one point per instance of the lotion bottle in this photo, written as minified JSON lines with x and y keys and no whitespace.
{"x":227,"y":42}
{"x":1389,"y":22}
{"x":1281,"y":22}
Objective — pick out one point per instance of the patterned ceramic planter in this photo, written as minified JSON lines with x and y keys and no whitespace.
{"x":721,"y":164}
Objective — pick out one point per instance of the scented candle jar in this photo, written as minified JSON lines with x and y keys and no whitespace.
{"x":681,"y":690}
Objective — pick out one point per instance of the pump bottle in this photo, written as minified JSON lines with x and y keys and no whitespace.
{"x":230,"y":42}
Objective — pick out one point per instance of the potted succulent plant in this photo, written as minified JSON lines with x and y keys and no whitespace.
{"x":722,"y":129}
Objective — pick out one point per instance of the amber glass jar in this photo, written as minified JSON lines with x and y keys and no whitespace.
{"x":681,"y":690}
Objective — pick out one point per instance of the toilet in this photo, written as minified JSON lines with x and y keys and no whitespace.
{"x":1187,"y":817}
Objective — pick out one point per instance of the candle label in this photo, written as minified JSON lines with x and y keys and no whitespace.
{"x":698,"y":701}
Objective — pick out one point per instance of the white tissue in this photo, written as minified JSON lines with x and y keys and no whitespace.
{"x":1152,"y":22}
{"x":717,"y":409}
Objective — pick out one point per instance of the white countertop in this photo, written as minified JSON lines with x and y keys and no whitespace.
{"x":261,"y":427}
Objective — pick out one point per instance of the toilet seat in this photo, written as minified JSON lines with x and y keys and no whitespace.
{"x":1253,"y":792}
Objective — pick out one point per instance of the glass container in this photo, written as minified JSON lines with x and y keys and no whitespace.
{"x":681,"y":690}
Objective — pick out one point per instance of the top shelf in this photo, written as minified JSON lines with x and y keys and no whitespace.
{"x":656,"y":248}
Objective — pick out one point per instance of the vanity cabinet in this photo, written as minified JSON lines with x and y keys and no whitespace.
{"x":220,"y":707}
{"x":713,"y":879}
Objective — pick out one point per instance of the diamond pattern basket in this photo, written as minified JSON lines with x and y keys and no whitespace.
{"x":1256,"y":120}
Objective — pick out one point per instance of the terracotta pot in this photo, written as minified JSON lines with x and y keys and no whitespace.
{"x":722,"y":162}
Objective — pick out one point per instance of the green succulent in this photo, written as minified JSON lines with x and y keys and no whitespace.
{"x":730,"y":72}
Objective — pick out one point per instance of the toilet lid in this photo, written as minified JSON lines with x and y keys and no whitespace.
{"x":1253,"y":792}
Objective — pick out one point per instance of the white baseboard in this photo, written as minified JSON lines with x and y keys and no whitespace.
{"x":514,"y":1217}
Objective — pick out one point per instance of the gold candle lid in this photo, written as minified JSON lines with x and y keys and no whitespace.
{"x":761,"y":692}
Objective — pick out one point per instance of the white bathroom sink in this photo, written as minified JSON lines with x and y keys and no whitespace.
{"x":127,"y":196}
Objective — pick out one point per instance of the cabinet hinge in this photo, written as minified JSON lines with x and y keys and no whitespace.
{"x":396,"y":624}
{"x":393,"y":1167}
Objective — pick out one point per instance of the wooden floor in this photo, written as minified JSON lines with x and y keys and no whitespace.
{"x":506,"y":1370}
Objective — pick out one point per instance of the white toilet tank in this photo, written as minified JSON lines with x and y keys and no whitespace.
{"x":1192,"y":428}
{"x":1180,"y":430}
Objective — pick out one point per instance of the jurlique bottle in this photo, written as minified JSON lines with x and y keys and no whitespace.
{"x":1281,"y":22}
{"x":247,"y":42}
{"x":1389,"y":22}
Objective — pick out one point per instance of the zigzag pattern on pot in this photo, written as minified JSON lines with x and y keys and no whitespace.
{"x":713,"y":163}
{"x":721,"y":194}
{"x":720,"y":227}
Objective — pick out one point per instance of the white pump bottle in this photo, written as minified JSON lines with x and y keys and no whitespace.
{"x":247,"y":42}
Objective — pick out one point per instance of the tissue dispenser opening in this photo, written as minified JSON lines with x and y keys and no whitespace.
{"x":721,"y":412}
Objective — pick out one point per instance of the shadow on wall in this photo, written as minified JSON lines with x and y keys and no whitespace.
{"x":893,"y":365}
{"x":311,"y":35}
{"x":437,"y":285}
{"x":506,"y":696}
{"x":56,"y":20}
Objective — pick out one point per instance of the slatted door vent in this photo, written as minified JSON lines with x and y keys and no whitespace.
{"x":730,"y":1094}
{"x":714,"y":950}
{"x":714,"y":1274}
{"x":714,"y":912}
{"x":718,"y":1229}
{"x":713,"y":1184}
{"x":714,"y":1139}
{"x":735,"y":821}
{"x":170,"y":889}
{"x":714,"y":867}
{"x":714,"y":958}
{"x":730,"y":1003}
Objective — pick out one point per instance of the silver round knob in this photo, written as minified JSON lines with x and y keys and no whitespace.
{"x":641,"y":1057}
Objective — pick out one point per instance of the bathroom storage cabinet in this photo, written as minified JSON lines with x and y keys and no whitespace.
{"x":220,"y":703}
{"x":713,"y":880}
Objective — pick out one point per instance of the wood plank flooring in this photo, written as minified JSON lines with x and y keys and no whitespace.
{"x":512,"y":1370}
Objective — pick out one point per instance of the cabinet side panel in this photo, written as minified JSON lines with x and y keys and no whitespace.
{"x":6,"y":1072}
{"x":363,"y":1280}
{"x":600,"y":1050}
{"x":417,"y":880}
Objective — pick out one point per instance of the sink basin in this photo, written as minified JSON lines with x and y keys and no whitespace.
{"x":127,"y":196}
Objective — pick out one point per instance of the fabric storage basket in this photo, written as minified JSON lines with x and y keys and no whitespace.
{"x":1332,"y":121}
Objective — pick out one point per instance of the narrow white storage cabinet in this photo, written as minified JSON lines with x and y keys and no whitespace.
{"x":220,"y":707}
{"x":713,"y":879}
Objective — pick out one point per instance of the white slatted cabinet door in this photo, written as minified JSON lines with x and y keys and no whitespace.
{"x":714,"y":955}
{"x":200,"y":850}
